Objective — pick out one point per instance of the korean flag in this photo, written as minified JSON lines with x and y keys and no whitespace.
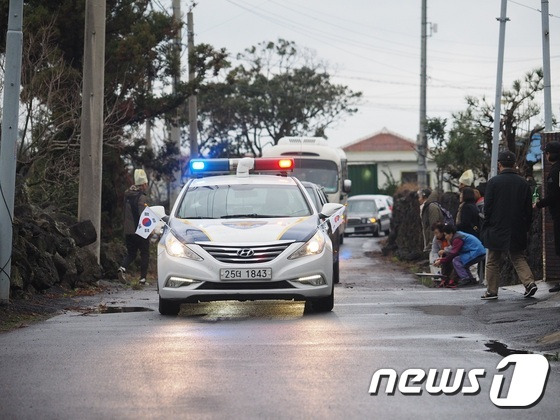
{"x":147,"y":223}
{"x":337,"y":219}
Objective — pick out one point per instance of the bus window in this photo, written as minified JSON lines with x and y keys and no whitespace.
{"x":318,"y":171}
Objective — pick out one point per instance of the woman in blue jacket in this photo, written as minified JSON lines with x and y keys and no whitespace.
{"x":466,"y":250}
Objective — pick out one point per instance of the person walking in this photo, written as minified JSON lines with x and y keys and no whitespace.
{"x":552,"y":196}
{"x":507,"y":220}
{"x":430,"y":215}
{"x":135,"y":202}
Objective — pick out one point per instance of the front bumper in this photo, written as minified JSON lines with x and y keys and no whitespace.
{"x":362,"y":228}
{"x":207,"y":286}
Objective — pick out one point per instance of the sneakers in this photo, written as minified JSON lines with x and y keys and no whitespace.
{"x":530,"y":290}
{"x":489,"y":296}
{"x":555,"y":288}
{"x":121,"y":275}
{"x":142,"y":281}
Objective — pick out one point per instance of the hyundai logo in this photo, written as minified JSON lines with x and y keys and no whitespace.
{"x":245,"y":253}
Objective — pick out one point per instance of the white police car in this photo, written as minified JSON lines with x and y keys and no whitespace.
{"x":245,"y":237}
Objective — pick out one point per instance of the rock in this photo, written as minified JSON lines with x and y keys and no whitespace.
{"x":83,"y":233}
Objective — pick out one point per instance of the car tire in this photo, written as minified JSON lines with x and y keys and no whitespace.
{"x":377,"y":231}
{"x":336,"y":273}
{"x":169,"y":307}
{"x":325,"y":304}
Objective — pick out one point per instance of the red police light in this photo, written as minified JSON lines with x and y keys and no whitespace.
{"x":274,"y":164}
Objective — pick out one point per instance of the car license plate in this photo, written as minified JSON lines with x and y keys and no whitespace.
{"x":245,"y":274}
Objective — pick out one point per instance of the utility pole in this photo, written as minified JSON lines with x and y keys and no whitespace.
{"x":421,"y":142}
{"x":498,"y":103}
{"x":193,"y":130}
{"x":91,"y":147}
{"x":175,"y":129}
{"x":546,"y":66}
{"x":8,"y":156}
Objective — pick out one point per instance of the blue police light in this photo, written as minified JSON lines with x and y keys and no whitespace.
{"x":209,"y":165}
{"x":197,"y":166}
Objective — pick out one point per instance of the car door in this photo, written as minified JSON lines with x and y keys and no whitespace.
{"x":384,"y":214}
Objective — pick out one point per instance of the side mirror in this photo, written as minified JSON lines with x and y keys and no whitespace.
{"x":329,"y":209}
{"x":346,"y":185}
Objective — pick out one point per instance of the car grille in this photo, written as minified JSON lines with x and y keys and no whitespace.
{"x":209,"y":285}
{"x":242,"y":255}
{"x":353,"y":222}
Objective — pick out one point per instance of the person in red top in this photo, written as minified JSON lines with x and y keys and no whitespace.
{"x":465,"y":250}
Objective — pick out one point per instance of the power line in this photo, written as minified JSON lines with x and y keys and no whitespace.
{"x":532,"y":8}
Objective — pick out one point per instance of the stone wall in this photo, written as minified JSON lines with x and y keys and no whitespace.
{"x":50,"y":248}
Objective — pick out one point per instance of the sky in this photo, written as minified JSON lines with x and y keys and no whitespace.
{"x":374,"y":46}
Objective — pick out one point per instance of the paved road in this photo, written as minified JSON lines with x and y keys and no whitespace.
{"x":272,"y":360}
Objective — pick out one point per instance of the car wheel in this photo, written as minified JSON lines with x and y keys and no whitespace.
{"x":376,"y":231}
{"x":335,"y":272}
{"x":325,"y":304}
{"x":169,"y":307}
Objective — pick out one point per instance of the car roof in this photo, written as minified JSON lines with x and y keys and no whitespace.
{"x":311,"y":184}
{"x":369,"y":197}
{"x":243,"y":180}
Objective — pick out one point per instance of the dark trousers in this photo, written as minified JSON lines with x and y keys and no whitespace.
{"x":135,"y":243}
{"x":556,"y":227}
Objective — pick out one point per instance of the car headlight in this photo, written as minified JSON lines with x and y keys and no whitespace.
{"x":176,"y":248}
{"x":314,"y":246}
{"x":368,"y":220}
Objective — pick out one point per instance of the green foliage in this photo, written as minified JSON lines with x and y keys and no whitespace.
{"x":468,"y":142}
{"x":391,"y":186}
{"x":277,"y":91}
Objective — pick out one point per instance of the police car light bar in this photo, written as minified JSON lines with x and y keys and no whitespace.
{"x":203,"y":167}
{"x":274,"y":164}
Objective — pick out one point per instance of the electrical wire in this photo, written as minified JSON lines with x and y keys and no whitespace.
{"x":3,"y":268}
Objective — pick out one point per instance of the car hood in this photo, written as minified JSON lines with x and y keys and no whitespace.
{"x":298,"y":229}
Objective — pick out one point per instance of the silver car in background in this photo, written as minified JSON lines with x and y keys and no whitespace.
{"x":369,"y":214}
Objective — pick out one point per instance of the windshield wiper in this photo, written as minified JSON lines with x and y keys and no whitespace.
{"x":245,"y":215}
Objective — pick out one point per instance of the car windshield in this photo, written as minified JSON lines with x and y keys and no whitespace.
{"x":317,"y":171}
{"x":361,"y":206}
{"x":314,"y":197}
{"x":242,"y":201}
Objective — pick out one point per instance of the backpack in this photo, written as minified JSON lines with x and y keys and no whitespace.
{"x":447,"y":216}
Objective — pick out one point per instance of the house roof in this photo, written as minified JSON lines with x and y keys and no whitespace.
{"x":383,"y":141}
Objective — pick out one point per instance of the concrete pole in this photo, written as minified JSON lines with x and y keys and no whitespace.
{"x":175,"y":135}
{"x":421,"y":142}
{"x":91,"y":147}
{"x":193,"y":129}
{"x":8,"y":156}
{"x":546,"y":66}
{"x":498,"y":98}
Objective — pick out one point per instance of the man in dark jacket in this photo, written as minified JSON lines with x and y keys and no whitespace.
{"x":134,"y":204}
{"x":552,"y":197}
{"x":507,"y":219}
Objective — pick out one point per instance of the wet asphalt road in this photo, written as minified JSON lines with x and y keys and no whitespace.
{"x":272,"y":360}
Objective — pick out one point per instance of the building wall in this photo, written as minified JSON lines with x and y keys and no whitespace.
{"x":391,"y":163}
